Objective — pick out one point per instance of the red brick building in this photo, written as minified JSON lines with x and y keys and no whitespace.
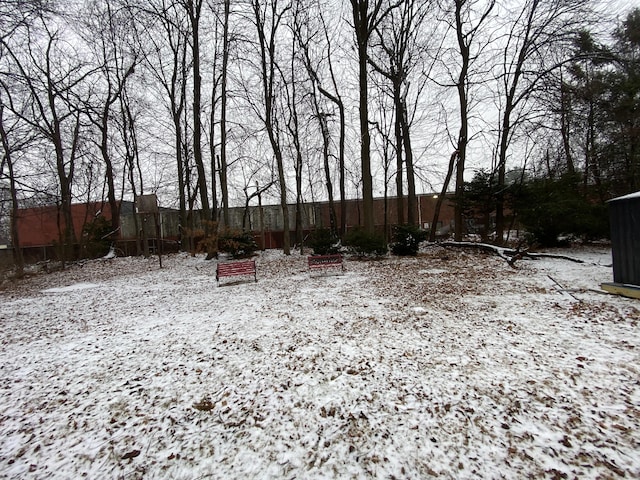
{"x":39,"y":227}
{"x":42,"y":226}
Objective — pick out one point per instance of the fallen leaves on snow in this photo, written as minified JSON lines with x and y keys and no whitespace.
{"x":449,"y":364}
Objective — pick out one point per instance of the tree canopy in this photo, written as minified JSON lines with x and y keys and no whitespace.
{"x":208,"y":104}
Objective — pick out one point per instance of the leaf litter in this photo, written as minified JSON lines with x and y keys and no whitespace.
{"x":450,"y":364}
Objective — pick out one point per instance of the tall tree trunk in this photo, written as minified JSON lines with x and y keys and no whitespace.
{"x":463,"y":136}
{"x":268,"y":68}
{"x":182,"y":195}
{"x":436,"y":214}
{"x":212,"y":146}
{"x":294,"y":130}
{"x":299,"y":203}
{"x":590,"y":152}
{"x":412,"y":200}
{"x":341,"y":167}
{"x":65,"y":179}
{"x":18,"y":258}
{"x":286,"y":243}
{"x":365,"y":145}
{"x":322,"y":118}
{"x":115,"y":76}
{"x":109,"y":176}
{"x":175,"y":88}
{"x":194,"y":10}
{"x":182,"y":158}
{"x":336,"y":99}
{"x":103,"y":125}
{"x":132,"y":160}
{"x":565,"y":122}
{"x":224,"y":188}
{"x":398,"y":125}
{"x":361,"y":24}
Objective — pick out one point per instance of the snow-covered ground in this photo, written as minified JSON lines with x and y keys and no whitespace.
{"x":451,"y":364}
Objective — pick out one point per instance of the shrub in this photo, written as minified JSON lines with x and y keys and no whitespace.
{"x":552,"y":208}
{"x":96,"y":237}
{"x":236,"y":242}
{"x":323,"y":242}
{"x":365,"y":244}
{"x":406,"y":239}
{"x":207,"y":242}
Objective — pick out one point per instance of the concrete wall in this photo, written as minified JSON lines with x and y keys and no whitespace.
{"x":39,"y":226}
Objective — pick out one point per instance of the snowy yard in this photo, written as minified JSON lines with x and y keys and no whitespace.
{"x":451,"y":364}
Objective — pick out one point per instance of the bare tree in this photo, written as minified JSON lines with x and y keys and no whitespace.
{"x":383,"y":127}
{"x":336,"y":98}
{"x":9,"y":147}
{"x":293,"y":126}
{"x":399,"y":38}
{"x":169,"y":65}
{"x":216,"y":77}
{"x":106,"y":29}
{"x":14,"y":16}
{"x":131,"y":152}
{"x":268,"y":20}
{"x":467,"y":20}
{"x":224,"y":85}
{"x":193,"y":8}
{"x":366,"y":18}
{"x":307,"y":35}
{"x":50,"y":75}
{"x":466,"y":34}
{"x":540,"y":30}
{"x":453,"y":160}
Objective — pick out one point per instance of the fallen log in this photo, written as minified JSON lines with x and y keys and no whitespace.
{"x":510,"y":255}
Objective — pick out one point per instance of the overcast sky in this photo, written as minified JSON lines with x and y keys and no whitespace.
{"x":623,"y":5}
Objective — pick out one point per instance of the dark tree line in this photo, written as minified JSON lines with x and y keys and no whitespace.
{"x":603,"y":93}
{"x":588,"y":151}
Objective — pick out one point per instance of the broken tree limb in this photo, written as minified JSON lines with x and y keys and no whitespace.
{"x":553,"y":255}
{"x":509,"y":254}
{"x":561,"y":289}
